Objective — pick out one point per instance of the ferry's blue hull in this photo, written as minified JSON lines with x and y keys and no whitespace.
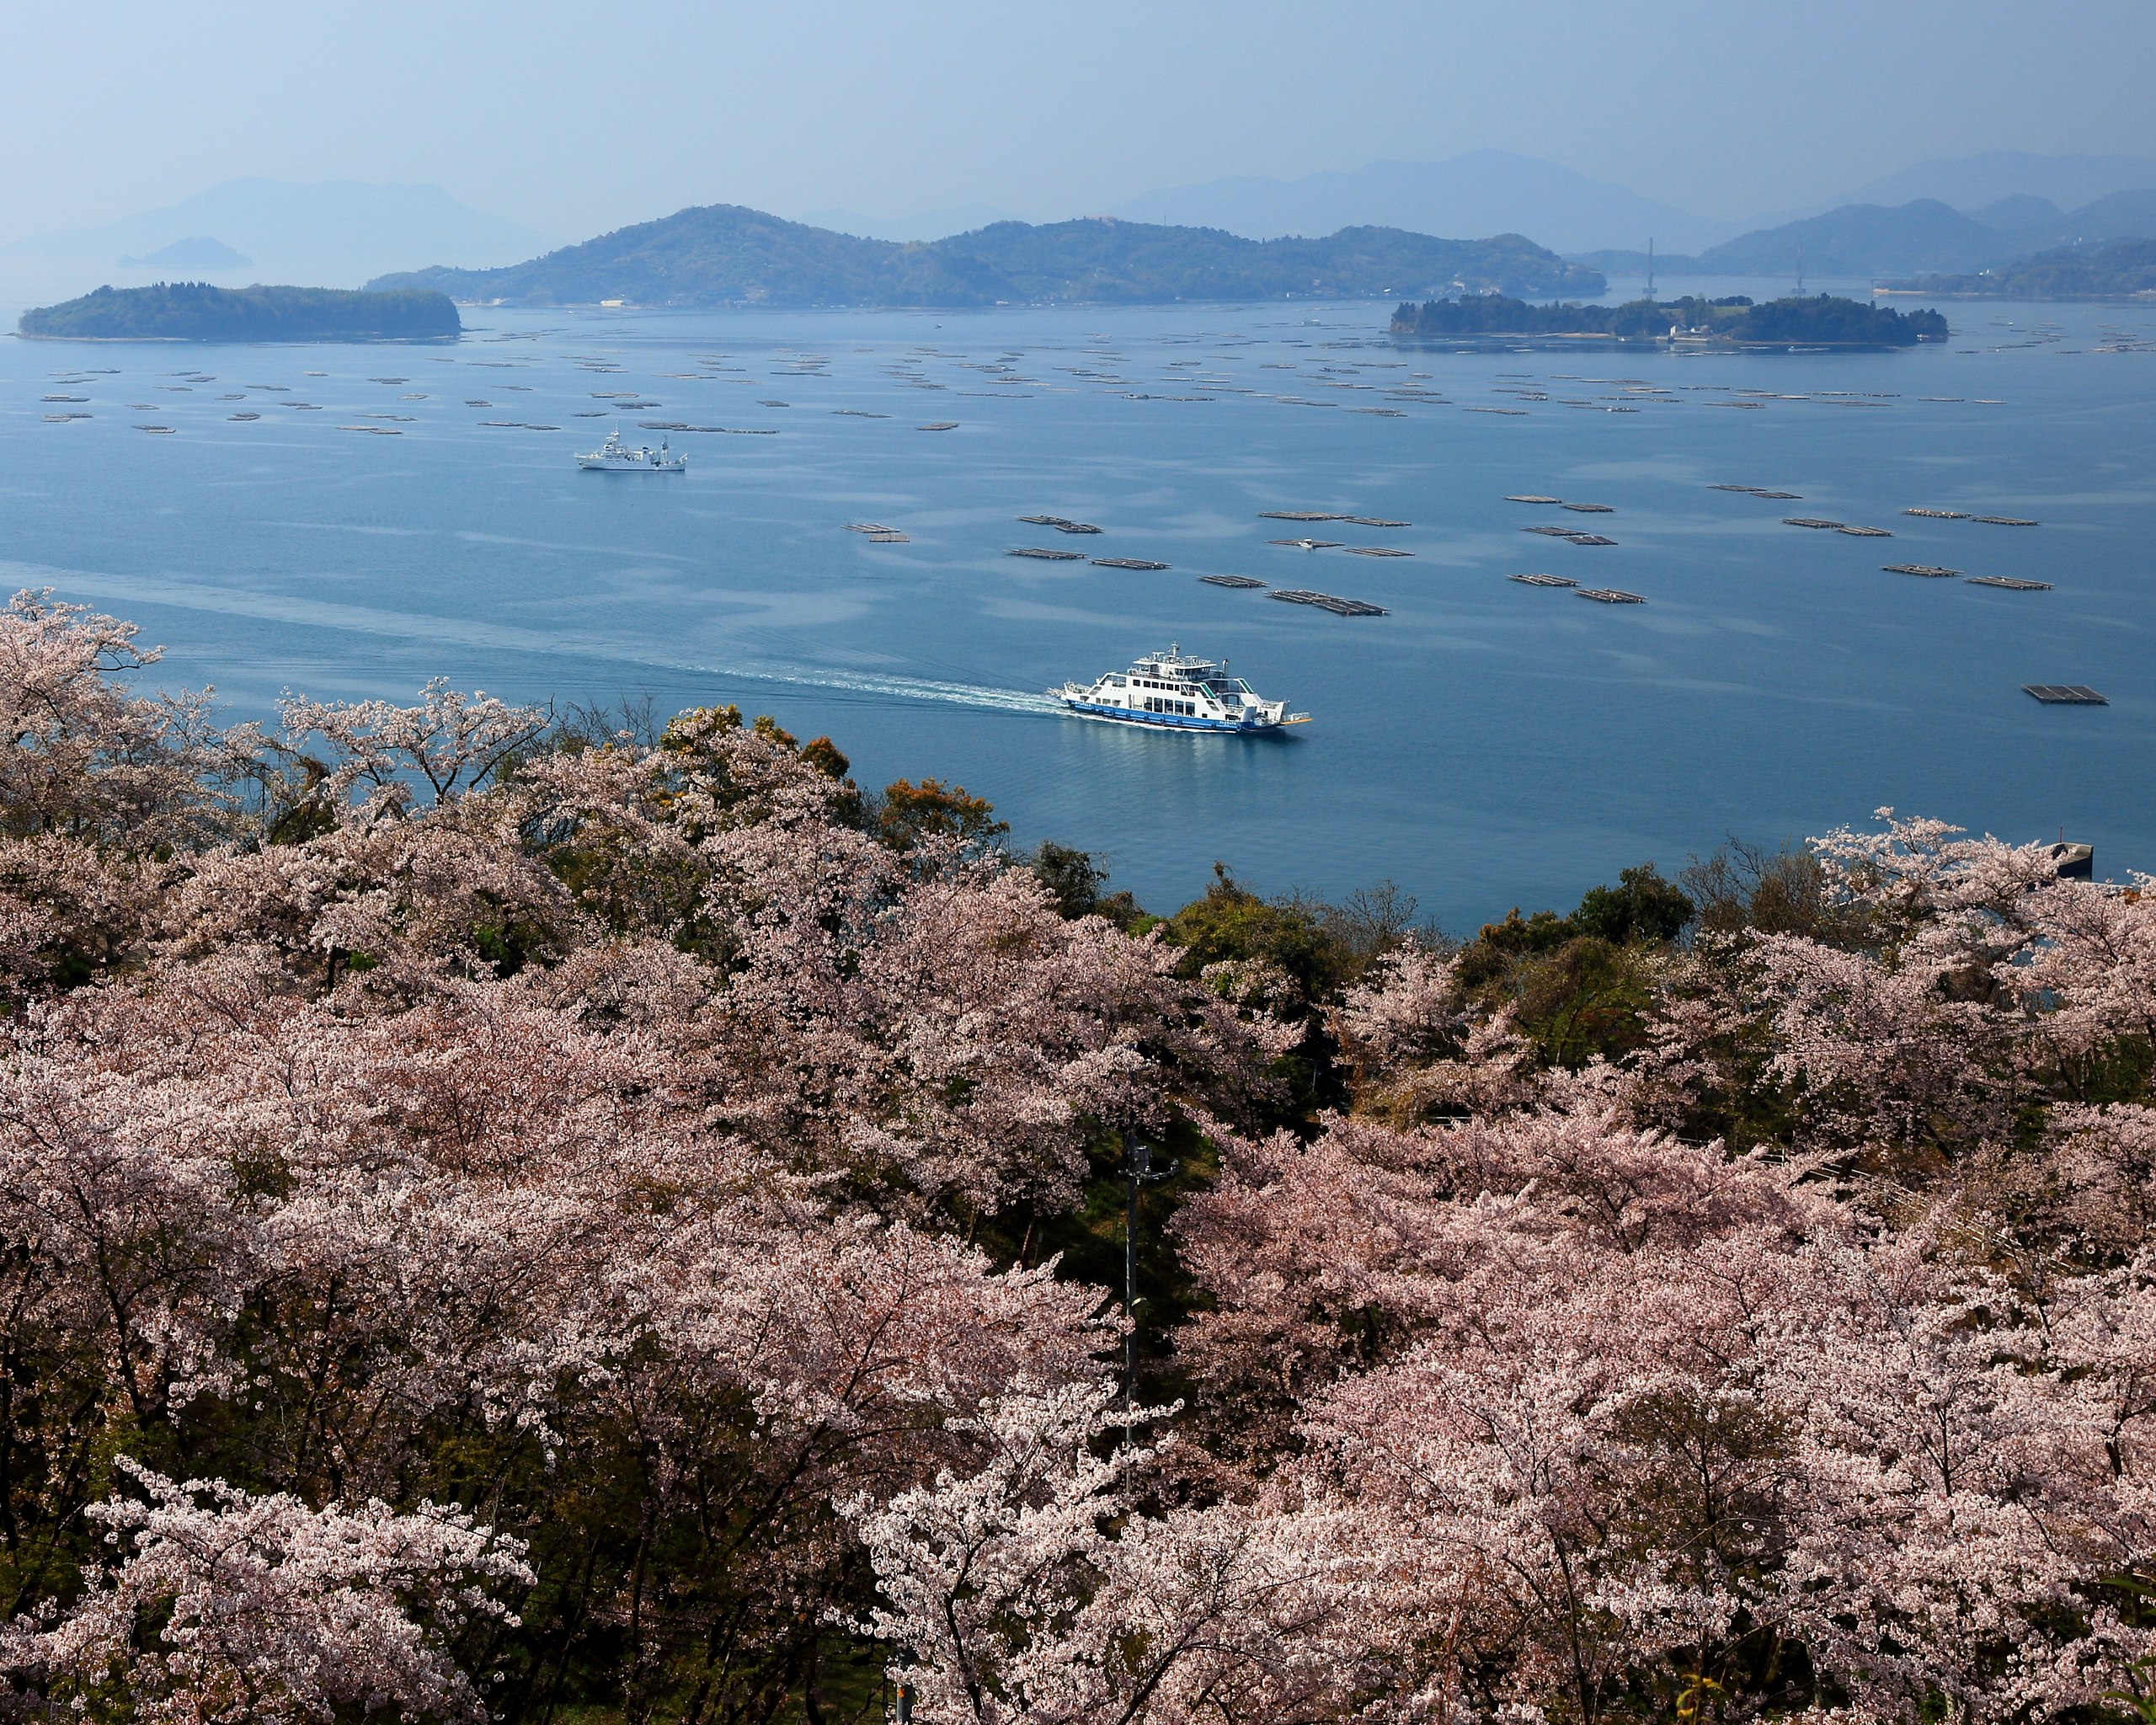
{"x":1165,"y":721}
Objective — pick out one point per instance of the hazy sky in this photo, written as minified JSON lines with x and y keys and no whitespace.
{"x":577,"y":118}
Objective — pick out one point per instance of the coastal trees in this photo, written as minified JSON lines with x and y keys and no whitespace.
{"x":573,"y":1222}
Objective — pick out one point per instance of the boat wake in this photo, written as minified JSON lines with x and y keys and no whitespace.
{"x":118,"y":590}
{"x":908,"y":689}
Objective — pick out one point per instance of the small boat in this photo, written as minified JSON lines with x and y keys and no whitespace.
{"x":1175,"y":691}
{"x":615,"y":456}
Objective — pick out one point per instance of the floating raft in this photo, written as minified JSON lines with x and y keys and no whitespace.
{"x":167,"y":431}
{"x":1865,"y":532}
{"x":1811,"y":521}
{"x":2006,"y":520}
{"x":939,"y":425}
{"x":1376,"y":521}
{"x":1047,"y":556}
{"x":1587,"y":539}
{"x":1300,"y":515}
{"x":1938,"y":515}
{"x":1552,"y":532}
{"x":869,"y":527}
{"x":1528,"y":497}
{"x":1376,"y":551}
{"x":1225,"y":580}
{"x":242,"y":416}
{"x":1590,"y":509}
{"x":1610,"y":596}
{"x":1327,"y":601}
{"x":2065,"y":694}
{"x":889,"y":537}
{"x":1543,"y":580}
{"x":1308,"y":544}
{"x":2013,"y":583}
{"x":1128,"y":562}
{"x":1935,"y":571}
{"x":1062,"y":524}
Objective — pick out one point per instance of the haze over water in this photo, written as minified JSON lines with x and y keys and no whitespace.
{"x":1486,"y":743}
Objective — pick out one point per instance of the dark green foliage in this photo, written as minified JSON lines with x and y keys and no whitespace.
{"x":1823,"y":318}
{"x":724,"y":254}
{"x":1581,"y":985}
{"x":1642,"y":906}
{"x":1076,"y":882}
{"x":194,"y":311}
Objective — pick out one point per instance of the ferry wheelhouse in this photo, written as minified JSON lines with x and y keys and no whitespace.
{"x":1179,"y":691}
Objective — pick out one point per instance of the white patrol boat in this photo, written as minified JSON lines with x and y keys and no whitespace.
{"x":1177,"y":692}
{"x":614,"y":456}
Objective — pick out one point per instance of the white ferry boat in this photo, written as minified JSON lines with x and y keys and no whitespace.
{"x":614,"y":456}
{"x":1177,"y":692}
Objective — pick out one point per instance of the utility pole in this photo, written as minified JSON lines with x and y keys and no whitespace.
{"x":1138,"y":1171}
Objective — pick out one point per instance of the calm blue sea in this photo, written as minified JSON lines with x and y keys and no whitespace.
{"x":1487,"y":744}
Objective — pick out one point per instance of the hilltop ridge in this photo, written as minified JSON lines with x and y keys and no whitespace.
{"x":726,"y":254}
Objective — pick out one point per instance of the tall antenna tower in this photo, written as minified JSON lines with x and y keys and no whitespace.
{"x":1650,"y":266}
{"x":1799,"y":272}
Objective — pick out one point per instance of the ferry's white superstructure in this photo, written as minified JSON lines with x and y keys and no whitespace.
{"x":615,"y":456}
{"x":1174,"y":690}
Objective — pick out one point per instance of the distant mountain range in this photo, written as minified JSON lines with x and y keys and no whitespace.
{"x":196,"y":255}
{"x":332,"y":232}
{"x":1499,"y":191}
{"x":1486,"y":191}
{"x":1922,"y":237}
{"x":723,"y":254}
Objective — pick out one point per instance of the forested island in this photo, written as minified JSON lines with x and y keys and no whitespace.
{"x":722,"y":254}
{"x":529,"y":1216}
{"x":1823,"y":319}
{"x":194,"y":311}
{"x":2120,"y":270}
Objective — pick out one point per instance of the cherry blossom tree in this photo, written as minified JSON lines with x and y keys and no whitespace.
{"x":244,"y":1607}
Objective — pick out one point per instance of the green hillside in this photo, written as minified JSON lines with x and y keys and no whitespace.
{"x":1821,"y":319}
{"x":723,"y":254}
{"x":194,"y":311}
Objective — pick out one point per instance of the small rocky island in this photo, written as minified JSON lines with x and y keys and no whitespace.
{"x":1820,"y":320}
{"x":194,"y":311}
